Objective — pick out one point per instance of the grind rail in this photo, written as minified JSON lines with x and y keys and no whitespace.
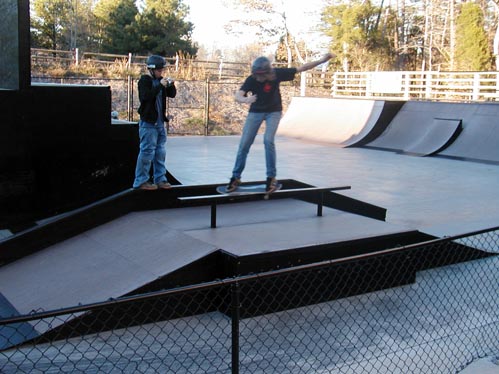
{"x":214,"y":200}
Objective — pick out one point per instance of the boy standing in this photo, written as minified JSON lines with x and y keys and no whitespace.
{"x":153,"y":91}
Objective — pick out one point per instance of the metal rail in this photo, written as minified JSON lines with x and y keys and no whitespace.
{"x":214,"y":200}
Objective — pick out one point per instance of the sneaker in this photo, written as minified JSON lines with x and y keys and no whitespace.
{"x":164,"y":185}
{"x":233,"y":184}
{"x":271,"y":185}
{"x":147,"y":186}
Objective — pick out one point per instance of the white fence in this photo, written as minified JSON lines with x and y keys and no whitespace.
{"x":413,"y":85}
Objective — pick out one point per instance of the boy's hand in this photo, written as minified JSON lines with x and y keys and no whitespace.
{"x":250,"y":99}
{"x":167,"y":82}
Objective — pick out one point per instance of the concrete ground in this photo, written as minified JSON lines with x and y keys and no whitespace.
{"x":438,"y":196}
{"x":487,"y":365}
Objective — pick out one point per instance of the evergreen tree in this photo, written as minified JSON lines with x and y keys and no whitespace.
{"x":117,"y":26}
{"x":358,"y":37}
{"x":62,"y":24}
{"x":51,"y":23}
{"x":162,"y":29}
{"x":472,"y":47}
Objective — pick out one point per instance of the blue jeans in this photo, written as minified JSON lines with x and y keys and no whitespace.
{"x":250,"y":129}
{"x":152,"y":152}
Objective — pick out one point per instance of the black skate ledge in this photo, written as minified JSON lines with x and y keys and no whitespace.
{"x":316,"y":194}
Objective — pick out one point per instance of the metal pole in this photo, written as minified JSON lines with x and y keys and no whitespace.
{"x":320,"y":203}
{"x":213,"y":215}
{"x":235,"y":292}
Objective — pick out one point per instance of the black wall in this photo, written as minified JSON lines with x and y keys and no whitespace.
{"x":59,"y":151}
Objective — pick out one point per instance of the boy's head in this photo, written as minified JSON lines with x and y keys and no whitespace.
{"x":156,"y":64}
{"x":261,"y":68}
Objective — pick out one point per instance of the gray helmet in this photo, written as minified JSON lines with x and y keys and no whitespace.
{"x":155,"y":62}
{"x":261,"y":65}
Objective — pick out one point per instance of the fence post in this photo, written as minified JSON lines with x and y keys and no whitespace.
{"x":303,"y":83}
{"x":206,"y":105}
{"x":235,"y":293}
{"x":220,"y":68}
{"x":407,"y":83}
{"x":428,"y":83}
{"x":476,"y":86}
{"x":334,"y":85}
{"x":129,"y":94}
{"x":368,"y":84}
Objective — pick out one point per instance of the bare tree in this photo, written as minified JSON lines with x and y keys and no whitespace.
{"x":268,"y":21}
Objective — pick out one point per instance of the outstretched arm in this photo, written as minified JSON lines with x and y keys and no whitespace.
{"x":312,"y":64}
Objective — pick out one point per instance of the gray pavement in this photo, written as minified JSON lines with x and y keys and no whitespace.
{"x":487,"y":365}
{"x":438,"y":196}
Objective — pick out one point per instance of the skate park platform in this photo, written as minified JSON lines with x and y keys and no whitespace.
{"x":137,"y":241}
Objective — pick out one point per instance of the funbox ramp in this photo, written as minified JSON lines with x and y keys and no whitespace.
{"x":458,"y":130}
{"x":479,"y":140}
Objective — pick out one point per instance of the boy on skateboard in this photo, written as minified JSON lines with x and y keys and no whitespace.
{"x":261,"y":91}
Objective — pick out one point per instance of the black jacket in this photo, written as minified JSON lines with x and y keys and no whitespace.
{"x":147,"y":97}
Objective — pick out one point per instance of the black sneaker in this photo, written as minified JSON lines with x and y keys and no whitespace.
{"x":233,"y":184}
{"x":271,"y":185}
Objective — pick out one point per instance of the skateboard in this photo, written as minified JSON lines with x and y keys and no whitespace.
{"x":248,"y":189}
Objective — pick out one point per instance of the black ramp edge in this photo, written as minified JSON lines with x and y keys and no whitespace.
{"x":438,"y":136}
{"x":389,"y":111}
{"x":16,"y":333}
{"x":350,"y":205}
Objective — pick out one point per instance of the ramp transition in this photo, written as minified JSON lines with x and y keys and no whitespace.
{"x":345,"y":122}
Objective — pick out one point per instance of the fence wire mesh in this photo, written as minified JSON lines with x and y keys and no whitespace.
{"x":427,"y":308}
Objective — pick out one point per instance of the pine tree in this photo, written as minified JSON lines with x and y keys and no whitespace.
{"x":358,"y":36}
{"x":472,"y":47}
{"x":51,"y":23}
{"x":117,"y":24}
{"x":162,"y":28}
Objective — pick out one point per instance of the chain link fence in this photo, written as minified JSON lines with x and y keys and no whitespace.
{"x":426,"y":308}
{"x":201,"y":107}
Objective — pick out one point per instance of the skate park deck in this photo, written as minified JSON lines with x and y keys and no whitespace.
{"x":435,"y":196}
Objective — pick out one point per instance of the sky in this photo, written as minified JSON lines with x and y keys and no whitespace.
{"x":210,"y":16}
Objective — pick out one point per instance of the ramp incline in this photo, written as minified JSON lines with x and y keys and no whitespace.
{"x":437,"y":137}
{"x":338,"y":121}
{"x":467,"y":131}
{"x":108,"y":261}
{"x":417,"y":136}
{"x":479,"y":140}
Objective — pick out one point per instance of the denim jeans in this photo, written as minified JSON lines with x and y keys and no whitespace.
{"x":250,"y":129}
{"x":152,"y":152}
